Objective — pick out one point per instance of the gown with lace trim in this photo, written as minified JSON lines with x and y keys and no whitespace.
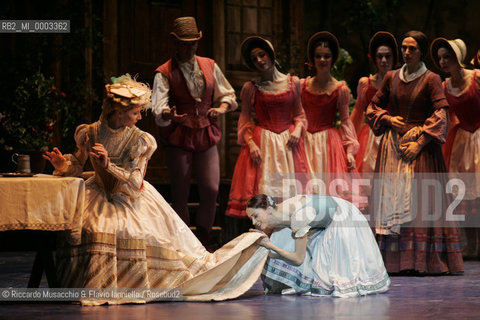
{"x":132,"y":238}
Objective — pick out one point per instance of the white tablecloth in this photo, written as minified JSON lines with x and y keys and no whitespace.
{"x":42,"y":202}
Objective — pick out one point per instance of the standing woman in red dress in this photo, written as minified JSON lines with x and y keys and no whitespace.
{"x":330,"y":152}
{"x":410,"y":109}
{"x":272,"y":158}
{"x":384,"y":54}
{"x":462,"y":148}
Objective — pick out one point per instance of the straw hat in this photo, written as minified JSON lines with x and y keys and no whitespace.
{"x":127,"y":91}
{"x":383,"y":38}
{"x":185,"y":29}
{"x":256,"y":42}
{"x":457,"y":46}
{"x":323,"y":36}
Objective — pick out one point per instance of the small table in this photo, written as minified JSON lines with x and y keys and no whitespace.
{"x":43,"y":203}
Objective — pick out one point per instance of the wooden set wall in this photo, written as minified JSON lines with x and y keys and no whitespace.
{"x":355,"y":22}
{"x":136,"y":40}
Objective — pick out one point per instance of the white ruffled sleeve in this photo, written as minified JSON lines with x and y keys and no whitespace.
{"x":300,"y":214}
{"x":223,"y":91}
{"x":300,"y":221}
{"x":160,"y":99}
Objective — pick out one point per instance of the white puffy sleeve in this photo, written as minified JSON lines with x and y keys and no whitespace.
{"x":223,"y":91}
{"x":160,"y":99}
{"x":300,"y":221}
{"x":300,"y":213}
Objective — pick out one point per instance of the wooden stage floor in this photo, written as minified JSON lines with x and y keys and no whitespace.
{"x":442,"y":297}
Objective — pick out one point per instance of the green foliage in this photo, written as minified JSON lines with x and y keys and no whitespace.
{"x":58,"y":55}
{"x":343,"y":61}
{"x":28,"y":120}
{"x":369,"y":16}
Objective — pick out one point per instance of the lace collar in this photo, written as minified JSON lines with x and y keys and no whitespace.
{"x":412,"y":76}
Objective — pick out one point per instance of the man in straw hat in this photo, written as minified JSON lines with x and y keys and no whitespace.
{"x":189,"y":93}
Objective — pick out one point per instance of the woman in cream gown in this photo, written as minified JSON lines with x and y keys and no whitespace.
{"x":131,"y":237}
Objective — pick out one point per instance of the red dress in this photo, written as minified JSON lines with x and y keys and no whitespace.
{"x":324,"y":144}
{"x":462,"y":147}
{"x":277,"y":114}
